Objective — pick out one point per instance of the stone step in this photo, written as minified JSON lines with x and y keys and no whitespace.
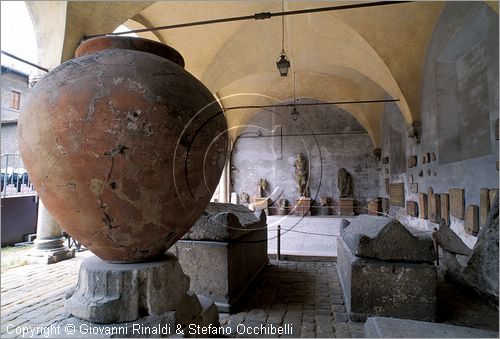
{"x":383,"y":327}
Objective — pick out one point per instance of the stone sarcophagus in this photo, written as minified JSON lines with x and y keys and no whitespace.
{"x":224,"y":252}
{"x":386,"y":270}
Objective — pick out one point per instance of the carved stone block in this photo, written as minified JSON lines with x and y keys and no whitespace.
{"x":493,"y":193}
{"x":374,"y":206}
{"x":496,"y":129}
{"x":346,"y":206}
{"x":303,"y":206}
{"x":414,"y":187}
{"x":422,"y":205}
{"x":412,"y":208}
{"x":385,"y":205}
{"x":445,"y":208}
{"x":484,"y":205}
{"x":434,"y":206}
{"x":457,"y":202}
{"x":412,"y":161}
{"x":397,"y":194}
{"x":471,"y":224}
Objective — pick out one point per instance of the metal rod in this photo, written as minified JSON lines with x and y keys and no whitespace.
{"x":312,"y":104}
{"x":256,"y":16}
{"x":278,"y":239}
{"x":301,"y":135}
{"x":25,"y":61}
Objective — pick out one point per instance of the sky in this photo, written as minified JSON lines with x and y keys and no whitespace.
{"x":17,"y":36}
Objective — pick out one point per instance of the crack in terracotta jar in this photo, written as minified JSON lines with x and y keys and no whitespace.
{"x":124,"y":146}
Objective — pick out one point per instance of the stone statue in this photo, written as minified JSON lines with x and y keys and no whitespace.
{"x":344,"y":183}
{"x":244,"y":198}
{"x":262,"y":187}
{"x":302,"y":175}
{"x":283,"y":203}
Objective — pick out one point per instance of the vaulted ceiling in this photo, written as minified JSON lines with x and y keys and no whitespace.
{"x":357,"y":54}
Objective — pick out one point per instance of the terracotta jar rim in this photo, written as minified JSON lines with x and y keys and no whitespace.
{"x":131,"y":43}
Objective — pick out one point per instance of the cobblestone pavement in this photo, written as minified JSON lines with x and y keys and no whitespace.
{"x":33,"y":295}
{"x":305,"y":295}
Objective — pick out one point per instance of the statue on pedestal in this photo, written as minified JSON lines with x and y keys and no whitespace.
{"x":244,"y":198}
{"x":344,"y":183}
{"x":283,"y":203}
{"x":302,"y":175}
{"x":262,"y":187}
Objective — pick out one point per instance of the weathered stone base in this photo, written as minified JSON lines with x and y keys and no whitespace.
{"x":393,"y":289}
{"x":122,"y":296}
{"x":50,"y":251}
{"x":223,"y":271}
{"x":381,"y":327}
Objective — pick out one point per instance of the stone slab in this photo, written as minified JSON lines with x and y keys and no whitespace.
{"x":445,"y":208}
{"x":450,"y":241}
{"x":386,"y":239}
{"x":223,"y":271}
{"x":223,"y":221}
{"x":484,"y":205}
{"x":457,"y":202}
{"x":471,"y":223}
{"x":397,"y":194}
{"x":383,"y":327}
{"x":493,"y":193}
{"x":481,"y":271}
{"x":412,"y":208}
{"x":422,"y":205}
{"x":385,"y":205}
{"x":393,"y":289}
{"x":434,"y":205}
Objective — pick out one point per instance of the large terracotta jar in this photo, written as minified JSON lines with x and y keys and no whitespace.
{"x":124,"y":146}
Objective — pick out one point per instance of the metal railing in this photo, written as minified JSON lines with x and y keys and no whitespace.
{"x":15,"y":179}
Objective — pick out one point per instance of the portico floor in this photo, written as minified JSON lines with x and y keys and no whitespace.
{"x":304,"y":294}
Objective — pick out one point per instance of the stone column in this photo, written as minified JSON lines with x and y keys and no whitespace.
{"x":49,"y":242}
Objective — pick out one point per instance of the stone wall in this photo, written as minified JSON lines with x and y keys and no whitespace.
{"x":11,"y":81}
{"x":459,"y":112}
{"x":9,"y":138}
{"x":329,"y":137}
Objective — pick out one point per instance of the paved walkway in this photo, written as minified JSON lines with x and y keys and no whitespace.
{"x":305,"y":295}
{"x":304,"y":236}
